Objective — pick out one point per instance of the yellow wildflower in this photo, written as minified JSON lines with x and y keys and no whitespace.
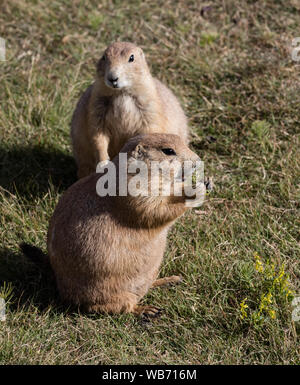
{"x":258,"y":264}
{"x":272,"y":313}
{"x":268,"y":298}
{"x":243,"y":309}
{"x":289,"y":293}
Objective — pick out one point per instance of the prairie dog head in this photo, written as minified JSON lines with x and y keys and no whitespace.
{"x":167,"y":164}
{"x":159,"y":147}
{"x":122,"y":65}
{"x":150,"y":178}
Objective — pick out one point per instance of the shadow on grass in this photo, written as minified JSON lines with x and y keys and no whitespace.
{"x":29,"y":171}
{"x":31,"y":285}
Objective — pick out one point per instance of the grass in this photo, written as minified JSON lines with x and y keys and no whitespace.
{"x":232,"y":70}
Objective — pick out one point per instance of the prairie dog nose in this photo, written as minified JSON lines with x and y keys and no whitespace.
{"x":112,"y":78}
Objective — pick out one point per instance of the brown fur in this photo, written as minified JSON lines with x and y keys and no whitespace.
{"x":106,"y":117}
{"x":106,"y":251}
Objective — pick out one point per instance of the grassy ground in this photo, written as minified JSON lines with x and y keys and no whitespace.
{"x":231,"y":67}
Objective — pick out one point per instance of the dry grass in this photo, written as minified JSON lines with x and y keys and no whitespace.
{"x":232,"y":69}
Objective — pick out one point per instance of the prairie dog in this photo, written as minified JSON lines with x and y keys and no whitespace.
{"x":124,"y":101}
{"x":106,"y":251}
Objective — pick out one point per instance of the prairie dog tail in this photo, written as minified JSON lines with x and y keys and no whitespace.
{"x":36,"y":255}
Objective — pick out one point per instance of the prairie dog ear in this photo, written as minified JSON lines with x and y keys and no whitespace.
{"x":100,"y":63}
{"x":142,"y":53}
{"x":139,"y":152}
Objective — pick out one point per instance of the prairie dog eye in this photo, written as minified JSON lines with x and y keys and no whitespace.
{"x":131,"y":59}
{"x":103,"y":58}
{"x":168,"y":151}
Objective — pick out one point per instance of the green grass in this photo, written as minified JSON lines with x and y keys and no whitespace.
{"x":233,"y":72}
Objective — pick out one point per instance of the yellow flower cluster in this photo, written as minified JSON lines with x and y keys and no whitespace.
{"x":275,"y":281}
{"x":243,"y":309}
{"x":281,"y":281}
{"x":258,"y":264}
{"x":266,"y":305}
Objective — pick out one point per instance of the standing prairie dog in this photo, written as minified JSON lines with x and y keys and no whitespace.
{"x":124,"y":101}
{"x":106,"y":251}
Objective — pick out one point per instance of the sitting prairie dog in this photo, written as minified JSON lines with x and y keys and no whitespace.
{"x":106,"y":251}
{"x":124,"y":101}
